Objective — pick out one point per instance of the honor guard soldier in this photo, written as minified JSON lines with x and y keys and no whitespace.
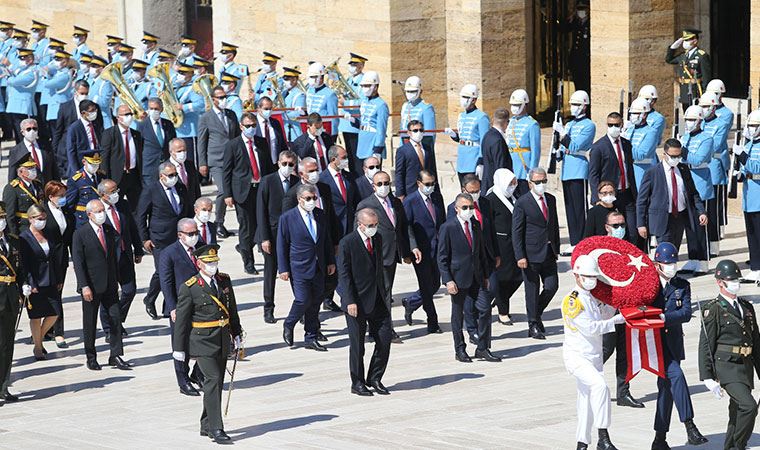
{"x":11,"y":277}
{"x":102,"y":91}
{"x":140,"y":85}
{"x":21,"y":193}
{"x":112,"y":47}
{"x":58,"y":86}
{"x":726,"y":117}
{"x":43,"y":57}
{"x":472,"y":126}
{"x":749,"y":156}
{"x":692,"y":67}
{"x":207,"y":325}
{"x":321,"y":99}
{"x":268,"y":76}
{"x":579,"y":60}
{"x":83,"y":186}
{"x":6,"y":31}
{"x":586,"y":320}
{"x":295,"y":98}
{"x":698,"y":152}
{"x":372,"y":123}
{"x":414,"y":108}
{"x":20,"y":40}
{"x":79,"y":38}
{"x":674,"y":299}
{"x":192,"y":105}
{"x":655,"y":119}
{"x":229,"y":52}
{"x":726,"y":362}
{"x":22,"y":84}
{"x":523,"y":137}
{"x":230,"y":83}
{"x":149,"y":47}
{"x":643,"y":137}
{"x":186,"y":54}
{"x":575,"y":139}
{"x":718,"y":128}
{"x":347,"y":129}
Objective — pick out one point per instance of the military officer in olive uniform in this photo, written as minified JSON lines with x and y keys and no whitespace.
{"x":726,"y":342}
{"x":10,"y":263}
{"x":692,"y":67}
{"x":23,"y":192}
{"x":207,"y":319}
{"x":579,"y":60}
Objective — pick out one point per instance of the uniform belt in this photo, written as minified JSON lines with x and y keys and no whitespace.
{"x":717,"y":155}
{"x":736,"y":349}
{"x":643,"y":161}
{"x":753,"y":176}
{"x":701,"y":166}
{"x":469,"y":143}
{"x":81,"y":208}
{"x":520,"y":150}
{"x":213,"y":324}
{"x":367,"y":128}
{"x":8,"y":279}
{"x":689,"y":80}
{"x":22,"y":215}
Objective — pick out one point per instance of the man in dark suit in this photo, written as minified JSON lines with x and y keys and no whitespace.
{"x":216,"y":127}
{"x":186,"y":170}
{"x":161,"y":206}
{"x":156,"y":132}
{"x":269,"y":136}
{"x":494,"y":148}
{"x":610,"y":156}
{"x":314,"y":143}
{"x":394,"y":229}
{"x":305,"y":256}
{"x":364,"y":185}
{"x":409,"y":161}
{"x":47,"y":167}
{"x":83,"y":135}
{"x":96,"y":267}
{"x":121,"y":155}
{"x":204,"y":219}
{"x":363,"y":297}
{"x":425,"y":213}
{"x":68,"y":113}
{"x":268,"y":210}
{"x":665,"y":213}
{"x":535,"y":238}
{"x":129,"y":249}
{"x":245,"y":164}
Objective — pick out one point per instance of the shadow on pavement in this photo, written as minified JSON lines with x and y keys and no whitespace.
{"x":279,"y":425}
{"x":264,"y":380}
{"x":75,"y":387}
{"x":440,"y":380}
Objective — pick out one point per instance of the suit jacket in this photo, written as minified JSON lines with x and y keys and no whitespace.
{"x":211,"y":226}
{"x":423,"y":230}
{"x":174,"y":268}
{"x":49,"y":165}
{"x":113,"y":155}
{"x":395,"y":236}
{"x":534,"y":237}
{"x":408,"y":167}
{"x":156,"y":219}
{"x":41,"y":269}
{"x":360,"y":274}
{"x":363,"y":187}
{"x":495,"y":156}
{"x":10,"y":293}
{"x":193,"y":185}
{"x":675,"y":301}
{"x":487,"y":226}
{"x":297,"y":253}
{"x":603,"y":166}
{"x":457,"y":261}
{"x":501,"y":218}
{"x":237,"y":168}
{"x":653,"y":200}
{"x":68,"y":114}
{"x":303,"y":146}
{"x":94,"y":267}
{"x":290,"y":201}
{"x":261,"y":142}
{"x":59,"y":243}
{"x":213,"y":137}
{"x":129,"y":244}
{"x":153,"y":153}
{"x":344,"y":209}
{"x":78,"y":143}
{"x":269,"y":206}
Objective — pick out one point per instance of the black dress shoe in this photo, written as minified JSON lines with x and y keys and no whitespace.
{"x":315,"y":345}
{"x":395,"y":338}
{"x":108,"y":338}
{"x":693,"y":434}
{"x":407,"y":311}
{"x":321,"y":337}
{"x":361,"y":390}
{"x":119,"y":363}
{"x":124,"y":332}
{"x":150,"y":308}
{"x":659,"y":442}
{"x":379,"y":388}
{"x":249,"y":268}
{"x":204,"y":433}
{"x":628,"y":400}
{"x":62,"y":344}
{"x":581,"y":446}
{"x":486,"y":355}
{"x":9,"y":398}
{"x":604,"y":442}
{"x":219,"y":436}
{"x":541,"y":326}
{"x":287,"y":335}
{"x":189,"y":390}
{"x":463,"y":357}
{"x":474,"y":340}
{"x":535,"y":333}
{"x":329,"y":305}
{"x":222,"y":232}
{"x":269,"y":317}
{"x":435,"y":330}
{"x":93,"y":365}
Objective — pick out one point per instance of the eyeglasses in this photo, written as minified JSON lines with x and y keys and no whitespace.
{"x":616,"y":225}
{"x":248,"y":126}
{"x":127,"y":114}
{"x":416,"y":130}
{"x":544,"y":181}
{"x":607,"y":193}
{"x":288,"y":164}
{"x":189,"y":233}
{"x":610,"y":125}
{"x":373,"y":167}
{"x":308,"y":198}
{"x":429,"y":183}
{"x":220,"y":97}
{"x":30,"y":128}
{"x":383,"y":183}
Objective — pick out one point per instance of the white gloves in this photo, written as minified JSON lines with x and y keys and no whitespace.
{"x":26,"y":290}
{"x":628,"y":124}
{"x":677,"y":43}
{"x":557,"y":126}
{"x":347,"y":116}
{"x":479,"y":171}
{"x":738,"y":149}
{"x":618,"y":319}
{"x":714,"y":387}
{"x":179,"y":356}
{"x":299,"y":110}
{"x":662,"y":317}
{"x":238,"y":343}
{"x":450,"y":132}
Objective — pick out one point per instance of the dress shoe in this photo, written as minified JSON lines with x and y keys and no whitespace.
{"x":361,"y":390}
{"x":108,"y":338}
{"x":329,"y":305}
{"x":124,"y":332}
{"x":541,"y":326}
{"x":61,"y":344}
{"x":628,"y":400}
{"x":435,"y":330}
{"x":693,"y":434}
{"x":486,"y":355}
{"x":463,"y":357}
{"x":379,"y":388}
{"x":321,"y":337}
{"x":219,"y":436}
{"x":287,"y":335}
{"x":150,"y":308}
{"x":395,"y":338}
{"x":505,"y":319}
{"x":407,"y":311}
{"x":204,"y":433}
{"x":535,"y":333}
{"x":474,"y":339}
{"x":189,"y":390}
{"x":223,"y":232}
{"x":581,"y":446}
{"x":9,"y":398}
{"x":250,"y":268}
{"x":604,"y":442}
{"x":93,"y":365}
{"x":659,"y":442}
{"x":269,"y":317}
{"x":119,"y":363}
{"x":315,"y":345}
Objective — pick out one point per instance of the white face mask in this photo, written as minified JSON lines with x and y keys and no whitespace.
{"x":588,"y":283}
{"x":91,"y":168}
{"x":707,"y":111}
{"x":32,"y":174}
{"x":383,"y":191}
{"x":314,"y":82}
{"x":668,"y":270}
{"x":427,"y":190}
{"x":170,"y":181}
{"x":608,"y":199}
{"x":210,"y":269}
{"x":576,"y":110}
{"x":31,"y":136}
{"x":58,"y":64}
{"x":309,"y":205}
{"x":516,"y":110}
{"x":80,"y":97}
{"x":36,"y":35}
{"x":465,"y":214}
{"x":113,"y":198}
{"x":180,"y":157}
{"x":618,"y":232}
{"x":412,"y":95}
{"x":76,"y":41}
{"x":370,"y":174}
{"x":352,"y":69}
{"x":367,"y":90}
{"x":205,"y":216}
{"x":127,"y":120}
{"x":581,"y":14}
{"x":227,"y":87}
{"x":154,"y":114}
{"x":17,"y":43}
{"x":674,"y":161}
{"x":266,"y":113}
{"x":221,"y":103}
{"x":343,"y":164}
{"x":539,"y":189}
{"x":184,"y":51}
{"x":91,"y":116}
{"x":613,"y":132}
{"x":687,"y":45}
{"x":94,"y":72}
{"x":369,"y":231}
{"x":4,"y":35}
{"x":733,"y":287}
{"x":3,"y":224}
{"x":38,"y":224}
{"x":510,"y":189}
{"x":464,"y":102}
{"x":475,"y":196}
{"x":635,"y":118}
{"x":144,"y":47}
{"x":227,"y":57}
{"x":753,"y":131}
{"x":285,"y":171}
{"x":190,"y":241}
{"x":99,"y":218}
{"x":266,"y":68}
{"x":690,"y":125}
{"x":313,"y":177}
{"x":416,"y":136}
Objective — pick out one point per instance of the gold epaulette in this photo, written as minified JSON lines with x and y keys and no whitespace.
{"x":191,"y":281}
{"x":700,"y":51}
{"x":14,"y":183}
{"x":77,"y":176}
{"x":571,"y":308}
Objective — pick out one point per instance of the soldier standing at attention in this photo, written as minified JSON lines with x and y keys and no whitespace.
{"x":10,"y":279}
{"x":692,"y":67}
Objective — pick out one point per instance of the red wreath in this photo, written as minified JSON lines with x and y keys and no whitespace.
{"x":630,"y":278}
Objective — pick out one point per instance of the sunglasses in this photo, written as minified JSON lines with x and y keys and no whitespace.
{"x":249,"y":126}
{"x":610,"y":125}
{"x":190,"y":233}
{"x":466,"y":207}
{"x":539,"y":181}
{"x":383,"y":183}
{"x":220,"y":97}
{"x":429,"y":184}
{"x":416,"y":130}
{"x":306,"y":199}
{"x":127,"y":114}
{"x":616,"y":225}
{"x":373,"y":167}
{"x":288,"y":164}
{"x":30,"y":128}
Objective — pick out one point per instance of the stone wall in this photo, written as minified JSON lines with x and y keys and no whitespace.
{"x":754,"y":51}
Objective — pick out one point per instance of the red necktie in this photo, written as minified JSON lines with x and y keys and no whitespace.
{"x":467,"y":234}
{"x":102,"y":239}
{"x":418,"y":148}
{"x":115,"y":220}
{"x":389,"y":211}
{"x":192,"y":257}
{"x":620,"y":165}
{"x":674,"y":186}
{"x":254,"y":164}
{"x":93,"y":139}
{"x":342,"y":187}
{"x":266,"y":131}
{"x":203,"y":233}
{"x":182,"y":174}
{"x":543,"y":208}
{"x":127,"y":156}
{"x":369,"y":245}
{"x":35,"y":158}
{"x":321,"y":154}
{"x":478,"y":215}
{"x":430,"y":208}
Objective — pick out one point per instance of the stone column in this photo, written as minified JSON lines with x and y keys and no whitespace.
{"x":754,"y":51}
{"x":166,"y":19}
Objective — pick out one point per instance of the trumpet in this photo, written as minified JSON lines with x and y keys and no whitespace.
{"x":112,"y":74}
{"x":204,"y":85}
{"x":279,"y":101}
{"x":337,"y":82}
{"x":160,"y":72}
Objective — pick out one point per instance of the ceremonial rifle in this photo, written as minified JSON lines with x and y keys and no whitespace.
{"x":621,"y":105}
{"x":734,"y":171}
{"x":555,"y":154}
{"x":676,"y":112}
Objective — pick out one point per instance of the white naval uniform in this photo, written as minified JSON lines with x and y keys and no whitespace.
{"x":586,"y":320}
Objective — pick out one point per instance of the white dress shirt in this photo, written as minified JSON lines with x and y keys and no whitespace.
{"x":90,"y":137}
{"x":272,"y":137}
{"x":305,"y":218}
{"x":316,"y":150}
{"x":132,"y":163}
{"x":171,"y":192}
{"x":679,"y":182}
{"x":37,"y":152}
{"x":59,"y":217}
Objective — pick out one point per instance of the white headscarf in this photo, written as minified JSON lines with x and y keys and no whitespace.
{"x":501,"y":180}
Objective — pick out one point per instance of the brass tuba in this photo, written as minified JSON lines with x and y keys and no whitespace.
{"x":337,"y":82}
{"x":161,"y":74}
{"x":278,"y":100}
{"x":204,"y":85}
{"x":112,"y":74}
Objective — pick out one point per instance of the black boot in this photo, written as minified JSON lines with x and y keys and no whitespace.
{"x":659,"y":442}
{"x":693,"y":435}
{"x":581,"y":446}
{"x":604,"y":441}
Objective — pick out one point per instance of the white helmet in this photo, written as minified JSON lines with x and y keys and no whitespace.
{"x":316,"y":69}
{"x":370,"y":77}
{"x":716,"y":86}
{"x":754,"y":117}
{"x":640,"y":105}
{"x":579,"y":98}
{"x":709,"y":98}
{"x":469,"y":90}
{"x":413,"y":83}
{"x":519,"y":97}
{"x":648,"y":91}
{"x":693,"y":112}
{"x":586,"y":265}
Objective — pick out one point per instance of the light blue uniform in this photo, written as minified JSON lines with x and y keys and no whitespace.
{"x":189,"y":59}
{"x":374,"y":122}
{"x":5,"y":50}
{"x":82,"y":49}
{"x":751,"y":169}
{"x":235,"y":105}
{"x":644,"y":139}
{"x":22,"y":84}
{"x":57,"y":90}
{"x":45,"y":93}
{"x":151,"y":58}
{"x":472,"y":127}
{"x":656,"y":121}
{"x":523,"y":132}
{"x":575,"y":156}
{"x":101,"y":92}
{"x":43,"y":58}
{"x":698,"y":151}
{"x":720,"y":127}
{"x":324,"y":102}
{"x":193,"y":105}
{"x":233,"y":68}
{"x":294,"y":97}
{"x":418,"y":110}
{"x":40,"y":48}
{"x":345,"y":126}
{"x":263,"y":85}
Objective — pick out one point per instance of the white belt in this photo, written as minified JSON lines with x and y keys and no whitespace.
{"x":469,"y":143}
{"x":701,"y":166}
{"x":367,"y":128}
{"x":753,"y":176}
{"x":717,"y":155}
{"x":643,"y":161}
{"x":502,"y":234}
{"x":583,"y":153}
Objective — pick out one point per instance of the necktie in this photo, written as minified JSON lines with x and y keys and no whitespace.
{"x":543,"y":208}
{"x":674,"y":187}
{"x":389,"y":211}
{"x":254,"y":163}
{"x":115,"y":220}
{"x":204,"y":236}
{"x":621,"y":166}
{"x":173,"y":201}
{"x":312,"y":231}
{"x":102,"y":239}
{"x":738,"y":309}
{"x":285,"y":185}
{"x":127,"y":155}
{"x":467,"y":234}
{"x":222,"y":119}
{"x":272,"y":148}
{"x":368,"y":242}
{"x":420,"y":155}
{"x":93,"y":138}
{"x":159,"y":133}
{"x":35,"y":158}
{"x":478,"y":215}
{"x":320,"y":153}
{"x":430,"y":208}
{"x":3,"y":247}
{"x":342,"y":187}
{"x":192,"y":257}
{"x":182,"y":173}
{"x":213,"y":286}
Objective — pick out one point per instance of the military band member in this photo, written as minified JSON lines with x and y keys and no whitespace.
{"x":346,"y":127}
{"x":229,"y":52}
{"x":268,"y":76}
{"x":112,"y":46}
{"x":749,"y":155}
{"x":472,"y":126}
{"x":149,"y":47}
{"x":186,"y":54}
{"x":58,"y":86}
{"x":43,"y":56}
{"x":294,"y":98}
{"x":692,"y":67}
{"x":82,"y":186}
{"x":22,"y":83}
{"x":523,"y":139}
{"x":207,"y":326}
{"x":202,"y":67}
{"x":643,"y":137}
{"x":79,"y":38}
{"x":20,"y":194}
{"x":6,"y":31}
{"x":655,"y":119}
{"x":41,"y":41}
{"x":102,"y":91}
{"x":726,"y":343}
{"x":414,"y":108}
{"x":229,"y":84}
{"x":320,"y":98}
{"x":125,"y":56}
{"x":11,"y":277}
{"x":372,"y":123}
{"x":84,"y":68}
{"x":192,"y":105}
{"x":139,"y":83}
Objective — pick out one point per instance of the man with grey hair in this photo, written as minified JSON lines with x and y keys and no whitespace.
{"x":29,"y":147}
{"x":188,"y":174}
{"x":156,"y":132}
{"x":122,"y":149}
{"x":204,"y":219}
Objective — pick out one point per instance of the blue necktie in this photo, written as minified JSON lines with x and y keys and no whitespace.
{"x":175,"y":205}
{"x":312,"y":231}
{"x":285,"y":185}
{"x":159,"y":134}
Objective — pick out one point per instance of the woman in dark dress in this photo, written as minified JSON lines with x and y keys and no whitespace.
{"x":507,"y":278}
{"x":42,"y":277}
{"x":596,"y":217}
{"x":60,"y":228}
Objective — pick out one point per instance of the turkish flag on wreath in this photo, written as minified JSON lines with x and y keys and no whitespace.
{"x":630,"y":283}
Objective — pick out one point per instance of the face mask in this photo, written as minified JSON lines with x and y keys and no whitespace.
{"x":61,"y":202}
{"x":668,"y":270}
{"x":707,"y":111}
{"x":127,"y":120}
{"x":371,"y":173}
{"x":24,"y":63}
{"x":309,"y":205}
{"x":31,"y":136}
{"x":210,"y":269}
{"x":221,"y":103}
{"x":227,"y":87}
{"x":687,"y":45}
{"x":4,"y":35}
{"x":352,"y":69}
{"x":588,"y":283}
{"x":416,"y":136}
{"x":154,"y":114}
{"x":266,"y":113}
{"x":539,"y":189}
{"x":510,"y":189}
{"x":618,"y":232}
{"x":227,"y":58}
{"x":32,"y":174}
{"x":205,"y":216}
{"x":427,"y":190}
{"x":91,"y":168}
{"x":690,"y":125}
{"x":99,"y":218}
{"x":180,"y":157}
{"x":369,"y":231}
{"x":17,"y":43}
{"x":475,"y":196}
{"x":249,"y":132}
{"x":113,"y":198}
{"x":412,"y":96}
{"x":58,"y":64}
{"x":197,"y":72}
{"x":516,"y":109}
{"x":93,"y":72}
{"x":313,"y":177}
{"x":313,"y":82}
{"x":465,"y":214}
{"x":36,"y":35}
{"x":576,"y":110}
{"x":80,"y":97}
{"x":581,"y":14}
{"x":285,"y":171}
{"x":170,"y":181}
{"x":383,"y":191}
{"x":367,"y":90}
{"x":184,"y":51}
{"x":636,"y":119}
{"x":91,"y":116}
{"x":77,"y":41}
{"x":144,"y":47}
{"x":118,"y":57}
{"x":190,"y":241}
{"x":343,"y":164}
{"x":266,"y":68}
{"x":464,"y":102}
{"x":38,"y":224}
{"x":608,"y":199}
{"x":733,"y":287}
{"x":320,"y":130}
{"x":753,"y":131}
{"x":613,"y":132}
{"x":3,"y":224}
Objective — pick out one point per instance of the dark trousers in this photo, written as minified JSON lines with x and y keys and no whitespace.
{"x":576,"y":205}
{"x":58,"y":326}
{"x":428,"y":280}
{"x":246,"y":216}
{"x":182,"y":368}
{"x":16,"y":120}
{"x":389,"y":275}
{"x":536,"y":300}
{"x":458,"y":301}
{"x":379,"y":324}
{"x":128,"y":292}
{"x":270,"y":271}
{"x":213,"y":368}
{"x":154,"y":287}
{"x":626,"y":204}
{"x":503,"y":291}
{"x":352,"y":140}
{"x":697,"y":241}
{"x":217,"y":176}
{"x":130,"y":187}
{"x":307,"y":299}
{"x":674,"y":232}
{"x":90,"y":323}
{"x":615,"y":342}
{"x":742,"y":411}
{"x":721,"y":191}
{"x":752,"y":224}
{"x":477,"y":317}
{"x":7,"y":333}
{"x":713,"y":218}
{"x":673,"y":389}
